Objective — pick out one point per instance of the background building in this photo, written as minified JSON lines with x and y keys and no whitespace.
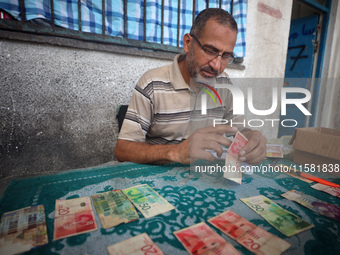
{"x":60,"y":91}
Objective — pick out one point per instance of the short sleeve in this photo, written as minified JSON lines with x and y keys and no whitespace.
{"x":140,"y":112}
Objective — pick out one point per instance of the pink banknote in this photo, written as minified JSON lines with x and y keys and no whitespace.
{"x":232,"y":162}
{"x":237,"y":145}
{"x":252,"y":237}
{"x":74,"y":224}
{"x":73,"y":217}
{"x":201,"y":239}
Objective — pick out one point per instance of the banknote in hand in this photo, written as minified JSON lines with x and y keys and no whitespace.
{"x":232,"y":162}
{"x":238,"y":143}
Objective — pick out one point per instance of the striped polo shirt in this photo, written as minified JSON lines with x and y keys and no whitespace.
{"x":164,"y":110}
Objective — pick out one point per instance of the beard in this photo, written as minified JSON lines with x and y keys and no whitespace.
{"x":195,"y":70}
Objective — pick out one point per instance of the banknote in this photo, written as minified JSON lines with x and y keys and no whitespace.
{"x":72,"y":206}
{"x":233,"y":169}
{"x":138,"y":245}
{"x":325,"y":188}
{"x":286,"y":222}
{"x":232,"y":163}
{"x":293,"y":172}
{"x":73,"y":217}
{"x":321,"y":207}
{"x":114,"y":208}
{"x":252,"y":237}
{"x":274,"y":151}
{"x":148,"y":201}
{"x":23,"y":230}
{"x":201,"y":239}
{"x":236,"y":146}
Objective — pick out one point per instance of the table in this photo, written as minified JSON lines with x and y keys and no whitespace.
{"x":197,"y":197}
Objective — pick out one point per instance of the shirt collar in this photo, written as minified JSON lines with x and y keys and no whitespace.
{"x":176,"y":76}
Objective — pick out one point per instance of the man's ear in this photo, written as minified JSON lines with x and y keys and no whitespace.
{"x":187,"y":40}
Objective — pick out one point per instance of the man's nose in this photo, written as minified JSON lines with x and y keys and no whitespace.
{"x":216,"y":63}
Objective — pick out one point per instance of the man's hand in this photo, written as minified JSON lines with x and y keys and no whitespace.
{"x":255,"y":150}
{"x":186,"y":152}
{"x":210,"y":138}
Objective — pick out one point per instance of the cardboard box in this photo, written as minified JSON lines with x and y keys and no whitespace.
{"x":316,"y":146}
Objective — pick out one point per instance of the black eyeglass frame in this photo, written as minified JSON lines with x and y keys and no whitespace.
{"x":231,"y":57}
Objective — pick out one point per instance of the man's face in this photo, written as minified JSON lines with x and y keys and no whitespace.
{"x":217,"y":38}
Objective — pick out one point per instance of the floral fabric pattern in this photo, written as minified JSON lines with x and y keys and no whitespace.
{"x":197,"y":197}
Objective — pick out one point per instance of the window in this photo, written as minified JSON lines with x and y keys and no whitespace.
{"x":144,"y":27}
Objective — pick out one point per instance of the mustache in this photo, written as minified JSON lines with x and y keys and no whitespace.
{"x":210,"y":69}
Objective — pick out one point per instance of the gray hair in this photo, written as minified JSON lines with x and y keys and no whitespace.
{"x":221,"y":16}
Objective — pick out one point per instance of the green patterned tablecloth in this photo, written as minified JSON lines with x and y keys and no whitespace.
{"x":196,"y":197}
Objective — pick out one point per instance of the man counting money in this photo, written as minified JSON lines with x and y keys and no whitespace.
{"x":156,"y":128}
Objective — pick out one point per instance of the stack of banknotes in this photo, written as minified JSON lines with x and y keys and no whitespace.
{"x":233,"y":164}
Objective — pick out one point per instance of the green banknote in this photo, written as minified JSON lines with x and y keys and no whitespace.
{"x":148,"y":201}
{"x":114,"y":208}
{"x":286,"y":222}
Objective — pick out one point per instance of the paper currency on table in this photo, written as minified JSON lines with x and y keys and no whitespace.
{"x":325,"y":188}
{"x":23,"y":230}
{"x":255,"y":239}
{"x":72,"y":206}
{"x":293,"y":172}
{"x":274,"y":151}
{"x":286,"y":222}
{"x":232,"y":163}
{"x":138,"y":245}
{"x":114,"y":208}
{"x":148,"y":201}
{"x":201,"y":239}
{"x":321,"y":207}
{"x":73,"y":217}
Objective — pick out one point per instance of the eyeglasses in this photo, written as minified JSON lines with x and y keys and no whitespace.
{"x":226,"y":57}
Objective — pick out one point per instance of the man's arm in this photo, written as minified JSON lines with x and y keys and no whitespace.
{"x":144,"y":153}
{"x":203,"y":139}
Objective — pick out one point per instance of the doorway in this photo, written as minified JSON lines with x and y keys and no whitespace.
{"x":306,"y":46}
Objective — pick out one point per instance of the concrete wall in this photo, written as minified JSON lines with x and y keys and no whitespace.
{"x":268,"y":24}
{"x":58,"y":105}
